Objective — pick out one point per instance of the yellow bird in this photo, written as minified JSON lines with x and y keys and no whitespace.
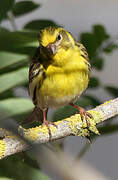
{"x":59,"y":72}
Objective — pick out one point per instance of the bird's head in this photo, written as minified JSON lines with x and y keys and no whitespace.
{"x":54,"y":43}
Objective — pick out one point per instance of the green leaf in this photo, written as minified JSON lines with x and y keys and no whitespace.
{"x":15,"y":167}
{"x":108,"y":129}
{"x":89,"y":41}
{"x":19,"y":170}
{"x":112,"y":90}
{"x":7,"y":94}
{"x":19,"y":42}
{"x":39,"y":24}
{"x":17,"y":38}
{"x":110,"y":47}
{"x":13,"y":79}
{"x":94,"y":82}
{"x":63,"y":112}
{"x":5,"y":6}
{"x":31,"y":161}
{"x":5,"y":178}
{"x":84,"y":101}
{"x":100,"y":34}
{"x":15,"y":106}
{"x":93,"y":101}
{"x":23,"y":7}
{"x":92,"y":41}
{"x":98,"y":63}
{"x":9,"y":59}
{"x":38,"y":175}
{"x":2,"y":29}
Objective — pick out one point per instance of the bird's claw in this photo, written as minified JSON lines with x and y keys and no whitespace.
{"x":84,"y":114}
{"x":47,"y":123}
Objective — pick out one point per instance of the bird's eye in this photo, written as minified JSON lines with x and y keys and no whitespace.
{"x":59,"y":37}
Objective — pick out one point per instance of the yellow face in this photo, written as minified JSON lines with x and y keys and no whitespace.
{"x":48,"y":35}
{"x":55,"y":41}
{"x":54,"y":34}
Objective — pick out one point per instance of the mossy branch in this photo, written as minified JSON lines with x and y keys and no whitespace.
{"x":11,"y":144}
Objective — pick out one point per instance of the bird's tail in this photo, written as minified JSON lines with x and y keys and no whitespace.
{"x":36,"y":115}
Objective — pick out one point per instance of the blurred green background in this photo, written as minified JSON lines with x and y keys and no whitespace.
{"x":17,"y":46}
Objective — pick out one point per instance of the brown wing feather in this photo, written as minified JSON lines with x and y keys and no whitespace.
{"x":83,"y":53}
{"x":36,"y":75}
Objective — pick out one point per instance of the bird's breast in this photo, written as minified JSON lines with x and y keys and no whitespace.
{"x":60,"y":87}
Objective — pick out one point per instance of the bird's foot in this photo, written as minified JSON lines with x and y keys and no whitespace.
{"x":47,"y":123}
{"x":83,"y":113}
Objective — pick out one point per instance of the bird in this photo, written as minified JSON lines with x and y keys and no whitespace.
{"x":59,"y":73}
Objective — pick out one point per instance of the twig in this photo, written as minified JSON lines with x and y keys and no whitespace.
{"x":11,"y":144}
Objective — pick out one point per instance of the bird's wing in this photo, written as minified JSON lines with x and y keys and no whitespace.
{"x":83,"y":53}
{"x":36,"y":75}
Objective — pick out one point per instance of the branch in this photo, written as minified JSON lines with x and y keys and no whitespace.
{"x":73,"y":125}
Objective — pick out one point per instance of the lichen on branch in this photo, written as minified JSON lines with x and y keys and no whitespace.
{"x":11,"y":144}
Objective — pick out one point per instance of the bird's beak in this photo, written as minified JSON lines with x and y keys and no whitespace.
{"x":51,"y":49}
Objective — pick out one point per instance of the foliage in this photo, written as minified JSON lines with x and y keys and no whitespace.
{"x":16,"y":49}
